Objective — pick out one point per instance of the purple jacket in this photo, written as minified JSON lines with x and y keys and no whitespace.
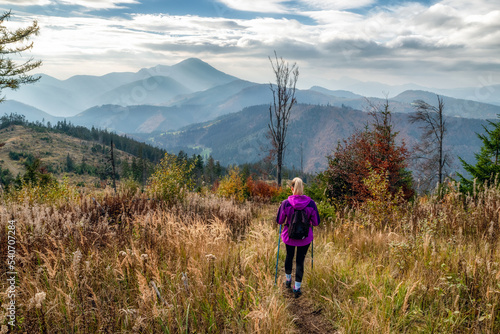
{"x":297,"y":202}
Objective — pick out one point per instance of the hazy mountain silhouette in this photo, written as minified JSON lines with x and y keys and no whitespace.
{"x":152,"y":90}
{"x":32,"y":114}
{"x":78,"y":93}
{"x":164,"y":98}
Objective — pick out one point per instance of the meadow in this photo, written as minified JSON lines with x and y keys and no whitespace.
{"x":105,"y":262}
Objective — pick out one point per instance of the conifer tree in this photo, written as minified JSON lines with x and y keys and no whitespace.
{"x":487,"y":166}
{"x":13,"y":74}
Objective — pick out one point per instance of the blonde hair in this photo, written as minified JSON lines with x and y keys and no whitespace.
{"x":298,"y":186}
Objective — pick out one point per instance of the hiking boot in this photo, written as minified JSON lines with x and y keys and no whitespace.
{"x":288,"y":284}
{"x":297,"y":293}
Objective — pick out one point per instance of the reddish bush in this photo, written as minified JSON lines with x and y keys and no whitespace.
{"x":261,"y":190}
{"x":374,"y":148}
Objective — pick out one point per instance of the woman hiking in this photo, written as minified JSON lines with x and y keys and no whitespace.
{"x":296,"y":202}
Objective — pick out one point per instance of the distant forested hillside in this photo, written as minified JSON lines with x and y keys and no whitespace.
{"x":313,"y":134}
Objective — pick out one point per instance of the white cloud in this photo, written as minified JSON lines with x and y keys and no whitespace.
{"x":472,"y":7}
{"x":337,"y":5}
{"x":98,"y":4}
{"x":411,"y":38}
{"x":27,"y":2}
{"x":260,"y":6}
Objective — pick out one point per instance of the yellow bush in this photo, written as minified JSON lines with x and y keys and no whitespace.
{"x":382,"y":204}
{"x":232,"y":186}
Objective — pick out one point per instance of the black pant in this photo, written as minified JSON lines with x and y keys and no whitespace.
{"x":299,"y":262}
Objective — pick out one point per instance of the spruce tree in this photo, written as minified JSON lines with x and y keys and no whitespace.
{"x":13,"y":74}
{"x":487,"y":166}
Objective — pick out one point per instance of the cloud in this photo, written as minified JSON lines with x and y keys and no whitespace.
{"x":27,"y":2}
{"x":98,"y":4}
{"x":259,"y":6}
{"x":399,"y":39}
{"x":337,"y":5}
{"x":294,"y":7}
{"x":423,"y":43}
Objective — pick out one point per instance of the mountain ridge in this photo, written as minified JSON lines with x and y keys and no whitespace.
{"x":313,"y":134}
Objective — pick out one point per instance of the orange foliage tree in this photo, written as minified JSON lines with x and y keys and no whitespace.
{"x":373,"y":148}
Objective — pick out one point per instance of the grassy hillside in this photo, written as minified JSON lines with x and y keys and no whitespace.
{"x":23,"y":143}
{"x":81,"y":154}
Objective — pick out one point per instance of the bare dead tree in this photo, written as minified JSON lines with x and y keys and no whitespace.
{"x":112,"y":160}
{"x":433,"y":159}
{"x":279,"y":111}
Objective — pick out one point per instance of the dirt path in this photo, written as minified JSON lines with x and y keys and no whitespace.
{"x":309,"y":319}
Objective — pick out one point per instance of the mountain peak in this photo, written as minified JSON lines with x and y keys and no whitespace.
{"x":193,"y":61}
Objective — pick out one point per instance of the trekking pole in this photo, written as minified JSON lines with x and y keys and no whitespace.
{"x":312,"y":255}
{"x":277,"y":257}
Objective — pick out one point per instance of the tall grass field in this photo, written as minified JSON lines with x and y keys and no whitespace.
{"x":104,"y":262}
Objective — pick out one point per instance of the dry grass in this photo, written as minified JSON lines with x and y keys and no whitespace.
{"x":433,"y":268}
{"x":127,"y":264}
{"x":122,"y":263}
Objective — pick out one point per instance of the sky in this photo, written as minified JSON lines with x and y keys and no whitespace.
{"x":441,"y":44}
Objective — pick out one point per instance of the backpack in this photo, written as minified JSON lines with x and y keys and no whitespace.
{"x":299,"y":225}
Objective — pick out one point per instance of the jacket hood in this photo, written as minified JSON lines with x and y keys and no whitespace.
{"x":299,"y":202}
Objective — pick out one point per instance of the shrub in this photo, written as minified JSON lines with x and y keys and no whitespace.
{"x":381,"y":204}
{"x":261,"y":190}
{"x":232,"y":186}
{"x":316,"y":188}
{"x":53,"y":192}
{"x":129,"y":187}
{"x":170,"y":180}
{"x":327,"y":212}
{"x":282,"y":195}
{"x":15,"y":155}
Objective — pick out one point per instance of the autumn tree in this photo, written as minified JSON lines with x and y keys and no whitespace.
{"x":279,"y":111}
{"x":14,"y":74}
{"x":432,"y":157}
{"x":371,"y":149}
{"x":487,"y":167}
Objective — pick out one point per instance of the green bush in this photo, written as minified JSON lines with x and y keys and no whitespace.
{"x":129,"y":187}
{"x":170,"y":180}
{"x":51,"y":191}
{"x":327,"y":212}
{"x":282,"y":195}
{"x":15,"y":155}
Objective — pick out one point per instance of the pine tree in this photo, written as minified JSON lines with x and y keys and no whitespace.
{"x":210,"y":170}
{"x":126,"y":171}
{"x":70,"y":164}
{"x":487,"y":166}
{"x":12,"y":74}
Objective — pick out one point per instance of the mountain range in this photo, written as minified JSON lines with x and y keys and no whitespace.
{"x":313,"y":134}
{"x":179,"y":107}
